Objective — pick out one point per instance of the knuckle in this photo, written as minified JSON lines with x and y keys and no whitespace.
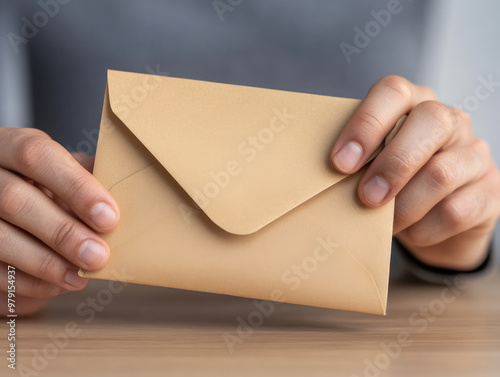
{"x":402,"y":215}
{"x":442,"y":174}
{"x":47,"y":266}
{"x":429,"y":92}
{"x":369,"y":124}
{"x":14,"y":199}
{"x":30,"y":150}
{"x":78,"y":188}
{"x":35,"y":131}
{"x":63,"y":233}
{"x":456,"y":212}
{"x":398,"y":84}
{"x":416,"y":236}
{"x":440,"y":112}
{"x":483,"y":147}
{"x":400,"y":163}
{"x":462,"y":117}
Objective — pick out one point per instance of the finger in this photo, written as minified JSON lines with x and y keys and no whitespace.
{"x":26,"y":207}
{"x":25,"y":306}
{"x":474,"y":206}
{"x":47,"y":192}
{"x":85,"y":160}
{"x":444,"y":173}
{"x":23,"y":251}
{"x":428,"y":127}
{"x":29,"y":286}
{"x":55,"y":199}
{"x":38,"y":157}
{"x":387,"y":101}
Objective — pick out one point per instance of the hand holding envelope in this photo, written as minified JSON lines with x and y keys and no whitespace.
{"x":230,"y":189}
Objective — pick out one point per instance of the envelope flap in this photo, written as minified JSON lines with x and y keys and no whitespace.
{"x":245,"y":155}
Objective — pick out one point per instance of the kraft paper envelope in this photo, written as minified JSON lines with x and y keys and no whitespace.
{"x":230,"y":189}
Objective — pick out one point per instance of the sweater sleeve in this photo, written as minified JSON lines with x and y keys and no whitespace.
{"x":439,"y":275}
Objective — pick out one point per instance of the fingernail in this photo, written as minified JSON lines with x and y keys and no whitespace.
{"x":376,"y":189}
{"x":348,"y":157}
{"x":74,"y":280}
{"x":92,"y":253}
{"x":104,"y":216}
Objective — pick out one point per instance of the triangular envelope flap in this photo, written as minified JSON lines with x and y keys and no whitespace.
{"x":245,"y":155}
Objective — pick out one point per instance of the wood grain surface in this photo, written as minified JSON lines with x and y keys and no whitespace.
{"x":149,"y":331}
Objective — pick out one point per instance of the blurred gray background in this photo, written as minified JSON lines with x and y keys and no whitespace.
{"x":55,"y":79}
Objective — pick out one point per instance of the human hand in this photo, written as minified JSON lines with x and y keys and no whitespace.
{"x":50,"y":209}
{"x":444,"y":178}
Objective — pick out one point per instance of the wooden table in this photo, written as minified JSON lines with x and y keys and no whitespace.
{"x":150,"y":331}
